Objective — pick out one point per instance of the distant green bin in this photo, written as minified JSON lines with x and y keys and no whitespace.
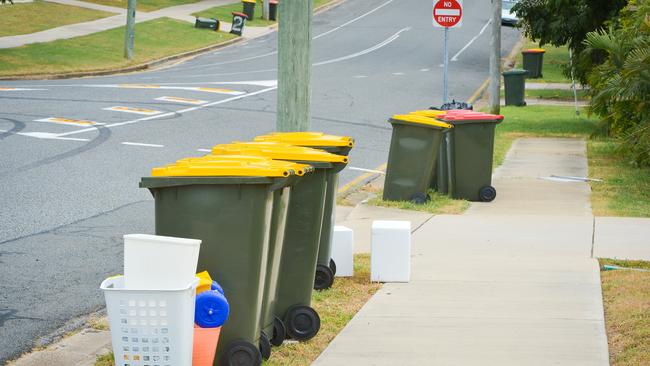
{"x":301,"y":235}
{"x":340,"y":145}
{"x":229,"y":207}
{"x":514,"y":84}
{"x":470,"y":151}
{"x":533,"y":60}
{"x":249,"y":8}
{"x":414,"y":149}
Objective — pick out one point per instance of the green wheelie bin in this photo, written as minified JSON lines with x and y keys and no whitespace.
{"x":533,"y":62}
{"x":301,"y":234}
{"x":340,"y":145}
{"x":470,"y":152}
{"x":514,"y":87}
{"x":271,"y":334}
{"x":414,"y":148}
{"x":440,"y":179}
{"x":228,"y":205}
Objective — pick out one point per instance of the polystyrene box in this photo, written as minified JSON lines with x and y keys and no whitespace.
{"x":390,"y":256}
{"x":343,"y":251}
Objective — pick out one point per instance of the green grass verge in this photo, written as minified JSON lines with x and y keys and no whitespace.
{"x":626,"y":296}
{"x":224,"y":13}
{"x":143,"y":5}
{"x":554,"y":60}
{"x":335,"y":306}
{"x":554,"y":94}
{"x":25,"y":18}
{"x":438,"y":204}
{"x":104,"y":50}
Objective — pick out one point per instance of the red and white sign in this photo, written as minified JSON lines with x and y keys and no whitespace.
{"x":447,"y":13}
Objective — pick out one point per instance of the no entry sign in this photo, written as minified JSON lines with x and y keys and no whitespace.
{"x":447,"y":13}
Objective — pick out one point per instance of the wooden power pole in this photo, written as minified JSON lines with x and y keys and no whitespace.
{"x":494,"y":89}
{"x":294,"y":65}
{"x":129,"y":37}
{"x":265,"y":9}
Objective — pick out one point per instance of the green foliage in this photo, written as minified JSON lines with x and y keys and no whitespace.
{"x":567,"y":22}
{"x":620,"y":86}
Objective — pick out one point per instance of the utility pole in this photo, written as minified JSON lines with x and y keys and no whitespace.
{"x":294,"y":65}
{"x":265,"y":9}
{"x":494,"y":88}
{"x":129,"y":37}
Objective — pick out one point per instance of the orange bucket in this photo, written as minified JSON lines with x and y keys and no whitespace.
{"x":205,"y":345}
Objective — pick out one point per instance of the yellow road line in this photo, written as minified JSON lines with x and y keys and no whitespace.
{"x":132,"y":110}
{"x":70,"y":121}
{"x":356,"y":181}
{"x":218,"y":90}
{"x":478,"y":92}
{"x":182,"y":100}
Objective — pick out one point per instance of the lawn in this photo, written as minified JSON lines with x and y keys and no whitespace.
{"x":143,"y":5}
{"x":626,"y":296}
{"x":105,"y":50}
{"x":336,"y":308}
{"x":224,"y":13}
{"x":554,"y":60}
{"x":439,"y":204}
{"x":25,"y":18}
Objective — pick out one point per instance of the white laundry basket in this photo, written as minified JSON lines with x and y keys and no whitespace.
{"x":150,"y":327}
{"x":162,"y":262}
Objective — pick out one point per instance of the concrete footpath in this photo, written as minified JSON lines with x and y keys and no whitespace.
{"x":511,"y":282}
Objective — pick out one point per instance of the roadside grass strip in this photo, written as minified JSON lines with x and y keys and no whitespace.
{"x":104,"y":50}
{"x":69,"y":121}
{"x":143,"y":5}
{"x":25,"y":18}
{"x":182,"y":100}
{"x":144,"y":111}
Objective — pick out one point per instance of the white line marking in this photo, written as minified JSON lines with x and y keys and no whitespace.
{"x":173,"y":113}
{"x":204,"y":150}
{"x":353,"y":20}
{"x":18,"y":89}
{"x":141,"y":144}
{"x":360,"y":76}
{"x":68,"y":121}
{"x":366,"y":51}
{"x":190,"y":88}
{"x":366,"y":170}
{"x":182,"y":100}
{"x":424,"y":70}
{"x":43,"y":135}
{"x":455,"y":57}
{"x":398,"y":73}
{"x":148,"y":112}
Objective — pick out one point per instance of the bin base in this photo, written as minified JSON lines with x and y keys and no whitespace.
{"x":279,"y":332}
{"x":333,"y":267}
{"x":265,"y":346}
{"x":487,"y":194}
{"x":241,"y":353}
{"x":324,"y":278}
{"x":302,"y":322}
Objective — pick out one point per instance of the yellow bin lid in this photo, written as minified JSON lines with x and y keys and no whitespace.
{"x":279,"y":151}
{"x":429,"y":113}
{"x":421,"y":120}
{"x":307,"y":139}
{"x":297,"y":168}
{"x":221,"y":168}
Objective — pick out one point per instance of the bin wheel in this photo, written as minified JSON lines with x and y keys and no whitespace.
{"x":279,"y":332}
{"x":324,"y":278}
{"x":241,"y":353}
{"x":487,"y":194}
{"x":265,"y":346}
{"x":420,"y":198}
{"x":333,"y":266}
{"x":303,"y":322}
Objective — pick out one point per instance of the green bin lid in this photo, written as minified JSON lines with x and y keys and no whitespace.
{"x":515,"y":72}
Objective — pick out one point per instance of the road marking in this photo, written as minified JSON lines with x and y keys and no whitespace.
{"x":68,"y":121}
{"x":353,"y":20}
{"x":360,"y":179}
{"x":43,"y":135}
{"x":360,"y":76}
{"x":455,"y":57}
{"x":204,"y":150}
{"x":182,"y":100}
{"x":141,"y":144}
{"x":190,"y":88}
{"x":398,"y":73}
{"x":218,"y":90}
{"x":145,"y":111}
{"x":17,"y":89}
{"x":139,"y":86}
{"x":366,"y":51}
{"x":424,"y":70}
{"x":190,"y":109}
{"x":367,"y":170}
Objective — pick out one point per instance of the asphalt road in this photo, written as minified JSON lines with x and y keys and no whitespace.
{"x":69,"y":192}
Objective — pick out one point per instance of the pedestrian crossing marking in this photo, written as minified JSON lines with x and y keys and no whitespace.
{"x":133,"y":110}
{"x":182,"y":100}
{"x":69,"y":121}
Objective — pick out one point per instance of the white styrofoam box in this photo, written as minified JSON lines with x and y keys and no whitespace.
{"x":343,"y":251}
{"x":150,"y":327}
{"x":390,"y":253}
{"x":153,"y":262}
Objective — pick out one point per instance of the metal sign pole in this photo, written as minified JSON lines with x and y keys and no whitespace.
{"x":445,"y":88}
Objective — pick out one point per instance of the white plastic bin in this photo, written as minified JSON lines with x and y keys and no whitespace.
{"x":390,"y":253}
{"x":150,"y":327}
{"x":160,"y":262}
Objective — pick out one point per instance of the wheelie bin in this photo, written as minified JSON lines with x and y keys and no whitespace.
{"x":533,"y":62}
{"x":301,"y":235}
{"x":514,"y":84}
{"x":249,"y":8}
{"x":440,"y":179}
{"x":414,"y":148}
{"x":470,"y":152}
{"x":227,"y":203}
{"x":340,"y":145}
